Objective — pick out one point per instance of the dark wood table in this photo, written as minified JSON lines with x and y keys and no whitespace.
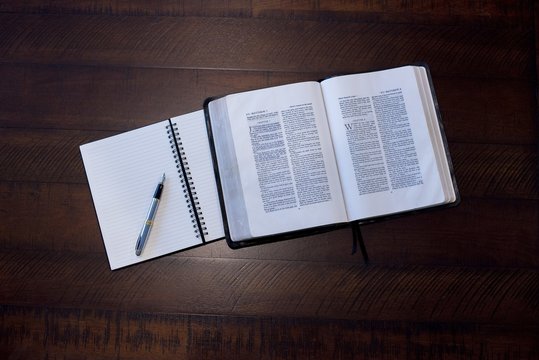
{"x":454,"y":283}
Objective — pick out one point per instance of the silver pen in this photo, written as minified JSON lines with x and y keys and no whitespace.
{"x":145,"y":232}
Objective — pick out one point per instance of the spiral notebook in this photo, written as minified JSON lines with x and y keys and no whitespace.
{"x":123,"y":171}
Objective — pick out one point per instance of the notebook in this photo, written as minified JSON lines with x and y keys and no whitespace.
{"x":123,"y":171}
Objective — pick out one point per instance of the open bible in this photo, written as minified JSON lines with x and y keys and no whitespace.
{"x":302,"y":156}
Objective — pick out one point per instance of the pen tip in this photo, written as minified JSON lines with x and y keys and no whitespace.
{"x":138,"y":252}
{"x":163,"y":178}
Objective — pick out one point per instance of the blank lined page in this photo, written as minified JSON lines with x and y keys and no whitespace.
{"x":194,"y":137}
{"x":122,"y":172}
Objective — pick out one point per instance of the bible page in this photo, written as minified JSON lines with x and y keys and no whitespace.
{"x":287,"y":170}
{"x":385,"y":154}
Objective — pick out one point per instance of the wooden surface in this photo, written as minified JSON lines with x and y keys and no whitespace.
{"x":457,"y":283}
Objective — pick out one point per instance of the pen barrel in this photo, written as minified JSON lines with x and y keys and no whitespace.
{"x":145,"y":231}
{"x":152,"y":210}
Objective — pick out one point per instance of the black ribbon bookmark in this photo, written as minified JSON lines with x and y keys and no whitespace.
{"x":357,"y":239}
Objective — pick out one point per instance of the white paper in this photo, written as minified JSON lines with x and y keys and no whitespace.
{"x":123,"y":171}
{"x":367,"y":85}
{"x":276,"y":100}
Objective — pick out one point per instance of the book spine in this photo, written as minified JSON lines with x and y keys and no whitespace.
{"x":187,"y":182}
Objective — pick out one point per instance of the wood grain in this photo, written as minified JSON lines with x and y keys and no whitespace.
{"x":451,"y":12}
{"x":307,"y":45}
{"x":458,"y":283}
{"x":64,"y":332}
{"x":116,"y":98}
{"x":274,"y":288}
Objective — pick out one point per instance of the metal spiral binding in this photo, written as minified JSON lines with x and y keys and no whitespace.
{"x":188,"y":185}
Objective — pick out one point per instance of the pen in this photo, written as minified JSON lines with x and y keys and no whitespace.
{"x":145,"y":232}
